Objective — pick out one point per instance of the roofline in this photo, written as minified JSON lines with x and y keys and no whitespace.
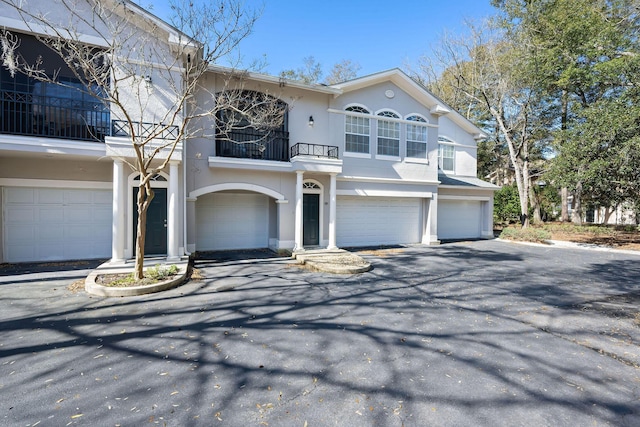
{"x":437,"y":107}
{"x":266,"y":78}
{"x":175,"y":34}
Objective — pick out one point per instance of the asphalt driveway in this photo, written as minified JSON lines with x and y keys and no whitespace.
{"x":482,"y":333}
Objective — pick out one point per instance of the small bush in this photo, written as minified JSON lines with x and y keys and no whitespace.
{"x":528,"y":234}
{"x":161,"y":272}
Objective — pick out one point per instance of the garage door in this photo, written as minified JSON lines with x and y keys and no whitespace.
{"x":459,"y":219}
{"x":50,"y":224}
{"x":232,"y":221}
{"x":364,"y":221}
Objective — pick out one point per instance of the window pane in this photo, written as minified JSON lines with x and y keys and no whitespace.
{"x":417,"y":141}
{"x":417,"y":149}
{"x":388,"y":138}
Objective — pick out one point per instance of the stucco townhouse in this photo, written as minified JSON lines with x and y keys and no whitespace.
{"x":377,"y":160}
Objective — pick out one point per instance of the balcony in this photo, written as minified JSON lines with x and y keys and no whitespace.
{"x":314,"y":150}
{"x":249,"y":144}
{"x":26,"y":114}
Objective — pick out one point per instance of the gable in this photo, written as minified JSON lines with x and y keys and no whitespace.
{"x":411,"y":88}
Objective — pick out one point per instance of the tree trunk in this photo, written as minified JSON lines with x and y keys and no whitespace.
{"x":564,"y":193}
{"x":145,"y":195}
{"x":533,"y":201}
{"x":564,"y":217}
{"x":607,"y":214}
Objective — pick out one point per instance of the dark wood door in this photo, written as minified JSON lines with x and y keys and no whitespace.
{"x":310,"y":219}
{"x":156,"y":239}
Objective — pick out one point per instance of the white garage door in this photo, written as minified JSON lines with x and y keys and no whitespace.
{"x":459,"y":219}
{"x":232,"y":221}
{"x":49,"y":224}
{"x":364,"y":221}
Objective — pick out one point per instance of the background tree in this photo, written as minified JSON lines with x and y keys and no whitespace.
{"x":131,"y":51}
{"x":583,"y":52}
{"x":311,"y":72}
{"x":482,"y":72}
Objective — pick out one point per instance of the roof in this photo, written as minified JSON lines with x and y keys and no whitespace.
{"x":465,"y":181}
{"x":266,"y":78}
{"x":417,"y":91}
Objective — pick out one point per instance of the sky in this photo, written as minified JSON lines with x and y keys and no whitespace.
{"x":377,"y":35}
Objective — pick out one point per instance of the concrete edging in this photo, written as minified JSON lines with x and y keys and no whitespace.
{"x":93,"y":288}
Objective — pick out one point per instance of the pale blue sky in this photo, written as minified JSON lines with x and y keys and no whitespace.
{"x":376,"y":34}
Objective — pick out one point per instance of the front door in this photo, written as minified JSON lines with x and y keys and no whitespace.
{"x":156,"y":239}
{"x":310,"y":219}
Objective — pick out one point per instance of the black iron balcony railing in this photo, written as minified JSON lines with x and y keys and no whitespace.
{"x":144,"y":130}
{"x":250,"y":144}
{"x":54,"y":117}
{"x":315,"y":150}
{"x":27,"y":114}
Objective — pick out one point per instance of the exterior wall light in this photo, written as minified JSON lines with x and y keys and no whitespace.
{"x":311,"y":122}
{"x":148,"y":81}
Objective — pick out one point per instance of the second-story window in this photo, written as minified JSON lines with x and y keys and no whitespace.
{"x":388,"y":135}
{"x":356,"y":130}
{"x":446,"y":154}
{"x":417,"y":137}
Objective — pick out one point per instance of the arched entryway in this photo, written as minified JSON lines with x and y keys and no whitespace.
{"x":235,"y":216}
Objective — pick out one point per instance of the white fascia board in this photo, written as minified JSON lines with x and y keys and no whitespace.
{"x":250,"y":164}
{"x":385,"y":193}
{"x":55,"y":183}
{"x":384,"y":180}
{"x":51,"y":146}
{"x":469,"y":198}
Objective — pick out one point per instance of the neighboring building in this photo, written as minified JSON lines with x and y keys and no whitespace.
{"x":374,"y":161}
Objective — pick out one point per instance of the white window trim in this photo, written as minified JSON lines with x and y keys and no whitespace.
{"x":448,"y":144}
{"x":425,"y":124}
{"x":346,"y":113}
{"x":390,"y":120}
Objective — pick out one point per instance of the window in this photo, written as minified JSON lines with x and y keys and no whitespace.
{"x":417,"y":138}
{"x":388,"y":135}
{"x":446,"y":154}
{"x":356,"y":131}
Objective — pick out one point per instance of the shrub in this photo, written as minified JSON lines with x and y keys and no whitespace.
{"x":529,"y":234}
{"x":506,"y":205}
{"x":161,"y":272}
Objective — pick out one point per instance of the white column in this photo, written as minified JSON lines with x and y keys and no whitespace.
{"x":118,"y":224}
{"x":332,"y":213}
{"x":172,"y":213}
{"x":298,"y":219}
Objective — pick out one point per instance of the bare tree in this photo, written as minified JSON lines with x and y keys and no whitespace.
{"x":145,"y":72}
{"x":480,"y":73}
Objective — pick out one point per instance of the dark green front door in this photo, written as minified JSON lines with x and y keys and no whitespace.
{"x":156,"y":238}
{"x":310,"y":219}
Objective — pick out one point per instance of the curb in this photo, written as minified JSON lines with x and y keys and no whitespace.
{"x":571,"y":245}
{"x":93,"y":288}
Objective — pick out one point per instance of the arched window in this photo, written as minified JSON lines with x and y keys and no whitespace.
{"x":252,"y":125}
{"x":357,"y":130}
{"x":417,"y":137}
{"x":388,"y":134}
